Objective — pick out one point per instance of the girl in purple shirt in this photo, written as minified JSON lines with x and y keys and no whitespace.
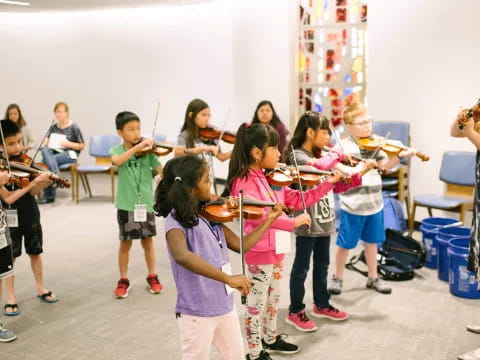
{"x":200,"y":262}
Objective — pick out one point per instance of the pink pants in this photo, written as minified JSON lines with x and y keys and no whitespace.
{"x":199,"y":333}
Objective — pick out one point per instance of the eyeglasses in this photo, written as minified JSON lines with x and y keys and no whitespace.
{"x":364,"y":122}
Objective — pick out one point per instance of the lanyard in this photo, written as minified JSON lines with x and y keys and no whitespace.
{"x":139,"y":182}
{"x":216,"y":235}
{"x":267,"y":188}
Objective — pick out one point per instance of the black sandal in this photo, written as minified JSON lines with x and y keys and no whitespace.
{"x":11,"y":313}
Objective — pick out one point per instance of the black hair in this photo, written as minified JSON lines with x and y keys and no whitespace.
{"x":174,"y":192}
{"x":124,"y":117}
{"x":9,"y":128}
{"x":193,"y":108}
{"x":249,"y":136}
{"x":275,"y":122}
{"x":309,"y":120}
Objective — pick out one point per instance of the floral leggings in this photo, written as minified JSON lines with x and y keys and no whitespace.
{"x":262,"y":306}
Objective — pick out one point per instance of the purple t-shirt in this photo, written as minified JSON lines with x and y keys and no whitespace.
{"x":198,"y":295}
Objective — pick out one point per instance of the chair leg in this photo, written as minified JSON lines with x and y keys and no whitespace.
{"x":411,"y":219}
{"x":430,"y":212}
{"x":88,"y":185}
{"x":407,"y":207}
{"x":462,"y":213}
{"x":82,"y":179}
{"x":73,"y":176}
{"x":77,"y":175}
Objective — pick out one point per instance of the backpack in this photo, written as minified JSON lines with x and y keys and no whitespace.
{"x":393,"y":214}
{"x":398,"y":257}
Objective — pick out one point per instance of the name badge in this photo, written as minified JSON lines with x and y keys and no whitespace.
{"x":12,"y":218}
{"x":140,"y":213}
{"x":3,"y":239}
{"x":283,"y":242}
{"x":227,"y":269}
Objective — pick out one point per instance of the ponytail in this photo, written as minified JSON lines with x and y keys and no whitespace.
{"x":249,"y":136}
{"x":174,"y":192}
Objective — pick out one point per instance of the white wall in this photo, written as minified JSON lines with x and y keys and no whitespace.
{"x":264,"y":52}
{"x":103,"y":62}
{"x":423,"y":65}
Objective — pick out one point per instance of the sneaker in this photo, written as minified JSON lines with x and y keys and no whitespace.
{"x":263,"y":356}
{"x":6,"y":335}
{"x":121,"y":292}
{"x":378,"y":285}
{"x":335,"y":287}
{"x":281,"y":346}
{"x":301,"y":321}
{"x":154,"y":284}
{"x":330,"y":313}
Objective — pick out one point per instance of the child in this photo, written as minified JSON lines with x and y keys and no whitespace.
{"x":134,"y":201}
{"x":13,"y":113}
{"x":362,"y":207}
{"x":312,"y":134}
{"x":197,"y":116}
{"x":64,"y":151}
{"x":200,"y":264}
{"x":28,"y":227}
{"x":256,"y":149}
{"x":6,"y":335}
{"x":266,"y":114}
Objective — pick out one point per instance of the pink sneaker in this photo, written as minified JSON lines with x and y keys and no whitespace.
{"x":301,"y":321}
{"x":329,"y":313}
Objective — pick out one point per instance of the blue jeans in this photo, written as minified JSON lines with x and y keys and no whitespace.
{"x":53,"y":160}
{"x":305,"y":246}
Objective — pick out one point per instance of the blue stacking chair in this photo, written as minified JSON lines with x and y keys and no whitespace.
{"x":395,"y":183}
{"x":458,"y":173}
{"x":99,"y":148}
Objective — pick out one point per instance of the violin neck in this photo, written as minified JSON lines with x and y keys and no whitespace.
{"x":255,"y":202}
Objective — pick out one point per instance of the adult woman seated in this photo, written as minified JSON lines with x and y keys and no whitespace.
{"x":62,"y":146}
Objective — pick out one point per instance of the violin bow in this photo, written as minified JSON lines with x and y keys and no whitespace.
{"x":223,"y":127}
{"x":5,"y":151}
{"x":242,"y":240}
{"x":299,"y":183}
{"x":155,"y":121}
{"x":47,"y":134}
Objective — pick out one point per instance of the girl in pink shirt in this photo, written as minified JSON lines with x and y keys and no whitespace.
{"x":256,"y":149}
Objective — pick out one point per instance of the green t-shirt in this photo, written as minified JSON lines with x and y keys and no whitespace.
{"x":134,"y":177}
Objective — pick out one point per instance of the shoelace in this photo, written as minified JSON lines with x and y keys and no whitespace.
{"x":123,"y":284}
{"x":332,"y":309}
{"x":153,"y":280}
{"x":303,"y":318}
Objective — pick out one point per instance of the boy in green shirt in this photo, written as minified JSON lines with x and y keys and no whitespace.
{"x":134,"y":199}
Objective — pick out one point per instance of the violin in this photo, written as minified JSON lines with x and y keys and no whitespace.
{"x":209,"y":134}
{"x":19,"y":163}
{"x":157,"y":150}
{"x":224,"y":210}
{"x":308,"y":175}
{"x":17,"y":178}
{"x":474,"y":110}
{"x":392,"y":148}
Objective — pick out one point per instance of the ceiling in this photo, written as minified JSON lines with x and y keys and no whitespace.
{"x":74,"y":5}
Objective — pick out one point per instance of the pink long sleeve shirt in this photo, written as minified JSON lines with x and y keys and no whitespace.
{"x":255,"y":185}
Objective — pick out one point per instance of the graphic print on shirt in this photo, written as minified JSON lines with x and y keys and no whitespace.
{"x":324,"y":209}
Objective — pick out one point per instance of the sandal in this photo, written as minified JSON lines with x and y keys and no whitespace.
{"x":44,"y":297}
{"x":11,"y":313}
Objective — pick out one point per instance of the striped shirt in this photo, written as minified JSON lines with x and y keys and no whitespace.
{"x":365,"y":199}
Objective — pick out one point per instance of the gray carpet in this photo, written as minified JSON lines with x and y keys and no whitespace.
{"x":420,"y":320}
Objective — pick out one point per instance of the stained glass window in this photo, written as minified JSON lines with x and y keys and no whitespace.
{"x":332,"y":55}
